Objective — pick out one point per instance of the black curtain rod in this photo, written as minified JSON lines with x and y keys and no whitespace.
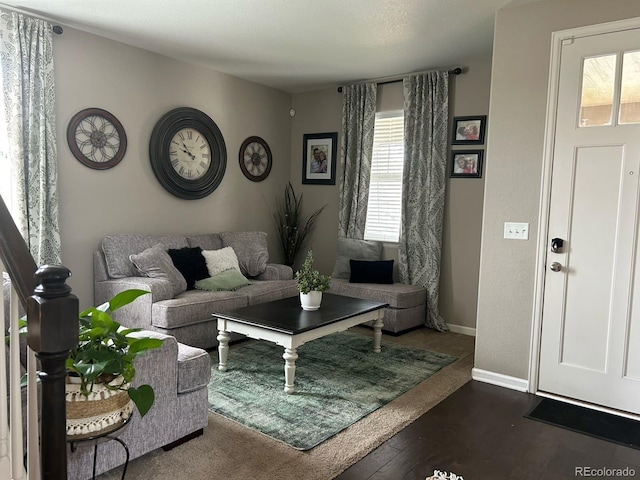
{"x":455,"y":71}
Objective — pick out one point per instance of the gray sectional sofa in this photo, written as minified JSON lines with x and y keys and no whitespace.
{"x":374,"y":281}
{"x":187,"y":316}
{"x":180,"y":410}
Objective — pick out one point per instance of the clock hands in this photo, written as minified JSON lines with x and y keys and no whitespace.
{"x":188,"y":152}
{"x":185,"y":149}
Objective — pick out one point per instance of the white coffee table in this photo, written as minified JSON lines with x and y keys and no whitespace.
{"x":285,"y":323}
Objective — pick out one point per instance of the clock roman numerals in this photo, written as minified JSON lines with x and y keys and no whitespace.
{"x":190,"y":154}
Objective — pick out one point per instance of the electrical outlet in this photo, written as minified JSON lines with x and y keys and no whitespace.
{"x":516,"y":230}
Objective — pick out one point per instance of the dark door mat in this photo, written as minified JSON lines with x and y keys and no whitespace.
{"x":605,"y":426}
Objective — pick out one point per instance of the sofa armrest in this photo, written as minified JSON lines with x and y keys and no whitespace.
{"x":138,"y":313}
{"x":163,"y":359}
{"x":276,"y":271}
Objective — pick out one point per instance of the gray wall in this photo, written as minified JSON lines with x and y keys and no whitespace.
{"x":321,"y":111}
{"x":138,"y":87}
{"x":517,"y":113}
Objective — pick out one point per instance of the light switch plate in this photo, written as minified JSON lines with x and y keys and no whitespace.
{"x":516,"y":230}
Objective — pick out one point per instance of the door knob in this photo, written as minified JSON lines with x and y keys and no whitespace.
{"x":555,"y":267}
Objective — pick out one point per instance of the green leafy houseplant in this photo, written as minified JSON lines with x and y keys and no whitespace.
{"x":106,"y":351}
{"x":309,"y":279}
{"x":292,"y":225}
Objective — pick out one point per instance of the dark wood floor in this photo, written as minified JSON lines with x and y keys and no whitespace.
{"x":479,"y":432}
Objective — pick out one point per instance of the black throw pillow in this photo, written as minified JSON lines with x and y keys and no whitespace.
{"x":190,"y":263}
{"x":379,"y":271}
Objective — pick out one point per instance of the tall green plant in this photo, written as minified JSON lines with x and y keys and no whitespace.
{"x":292,"y":225}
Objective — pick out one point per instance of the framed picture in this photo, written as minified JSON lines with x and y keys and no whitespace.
{"x":469,"y":130}
{"x":319,"y":157}
{"x":466,"y":163}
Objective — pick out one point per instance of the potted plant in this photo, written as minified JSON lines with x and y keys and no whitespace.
{"x":292,"y":225}
{"x":101,"y":367}
{"x":311,"y":284}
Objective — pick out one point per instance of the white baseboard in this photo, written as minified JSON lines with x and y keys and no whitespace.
{"x":500,"y":380}
{"x":462,"y":329}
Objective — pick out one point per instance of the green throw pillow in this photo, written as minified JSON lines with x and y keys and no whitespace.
{"x":227,"y":280}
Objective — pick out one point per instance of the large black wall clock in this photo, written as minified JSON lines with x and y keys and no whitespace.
{"x":187,"y":153}
{"x":255,"y":159}
{"x":96,"y":138}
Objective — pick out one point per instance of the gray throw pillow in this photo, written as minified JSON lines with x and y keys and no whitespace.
{"x":251,"y":250}
{"x":352,"y":249}
{"x":155,"y":262}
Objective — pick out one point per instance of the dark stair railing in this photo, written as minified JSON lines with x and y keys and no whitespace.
{"x":52,"y":331}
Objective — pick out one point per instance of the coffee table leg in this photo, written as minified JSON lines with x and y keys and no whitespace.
{"x":290,"y":357}
{"x":223,"y":349}
{"x":377,"y":334}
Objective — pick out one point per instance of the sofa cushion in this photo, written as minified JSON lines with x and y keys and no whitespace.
{"x":118,"y":248}
{"x":155,"y":262}
{"x":194,"y":368}
{"x":190,"y":263}
{"x":376,"y":271}
{"x":397,"y":295}
{"x":209,"y":241}
{"x":353,"y":249}
{"x":229,"y":280}
{"x":266,"y":291}
{"x":194,"y":306}
{"x":251,"y":249}
{"x":218,"y":261}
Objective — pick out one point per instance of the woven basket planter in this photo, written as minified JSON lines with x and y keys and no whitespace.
{"x":103,"y":411}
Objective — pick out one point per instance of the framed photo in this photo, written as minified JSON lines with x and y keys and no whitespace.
{"x":466,"y":163}
{"x":469,"y":130}
{"x":319,"y":158}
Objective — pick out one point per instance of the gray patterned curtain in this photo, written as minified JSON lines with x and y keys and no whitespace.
{"x":358,"y":120}
{"x":26,"y":56}
{"x":426,"y":123}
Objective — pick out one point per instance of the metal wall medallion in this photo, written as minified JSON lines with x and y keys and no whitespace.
{"x":255,"y":159}
{"x":96,"y":138}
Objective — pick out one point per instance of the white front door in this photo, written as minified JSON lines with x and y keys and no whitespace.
{"x":590,"y":340}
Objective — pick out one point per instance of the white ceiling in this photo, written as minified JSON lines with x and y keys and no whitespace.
{"x":292,"y":45}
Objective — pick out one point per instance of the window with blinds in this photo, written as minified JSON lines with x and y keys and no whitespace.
{"x":385,"y":184}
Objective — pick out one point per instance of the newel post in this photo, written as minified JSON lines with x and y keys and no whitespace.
{"x":52,"y":331}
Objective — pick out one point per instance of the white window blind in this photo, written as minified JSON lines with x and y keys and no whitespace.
{"x":385,"y":184}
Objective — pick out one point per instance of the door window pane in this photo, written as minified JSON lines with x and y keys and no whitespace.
{"x":598,"y":83}
{"x":630,"y":93}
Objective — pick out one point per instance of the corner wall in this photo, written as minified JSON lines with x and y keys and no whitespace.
{"x":517,"y":117}
{"x":321,"y":111}
{"x":138,"y":87}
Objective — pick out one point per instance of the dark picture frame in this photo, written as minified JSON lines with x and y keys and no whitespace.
{"x":319,"y":158}
{"x":466,"y":164}
{"x":469,"y":130}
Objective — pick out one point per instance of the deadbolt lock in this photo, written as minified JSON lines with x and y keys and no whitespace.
{"x":555,"y":267}
{"x":556,"y":245}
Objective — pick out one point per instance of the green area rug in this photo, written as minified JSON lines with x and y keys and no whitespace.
{"x":339,"y":380}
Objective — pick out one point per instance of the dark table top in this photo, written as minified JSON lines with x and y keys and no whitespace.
{"x":287,"y":315}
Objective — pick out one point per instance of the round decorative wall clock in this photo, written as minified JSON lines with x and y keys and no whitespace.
{"x":188,"y":154}
{"x":96,"y":138}
{"x":255,"y":159}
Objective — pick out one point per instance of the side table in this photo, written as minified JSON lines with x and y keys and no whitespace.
{"x":99,"y":438}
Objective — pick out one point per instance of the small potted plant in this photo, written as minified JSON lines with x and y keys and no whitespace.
{"x":311,"y":284}
{"x":101,"y":368}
